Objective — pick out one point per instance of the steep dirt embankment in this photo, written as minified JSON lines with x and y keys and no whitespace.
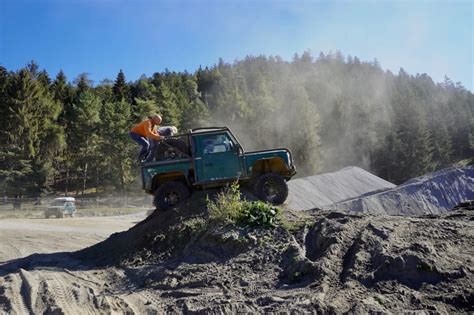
{"x":322,"y":261}
{"x":433,"y":193}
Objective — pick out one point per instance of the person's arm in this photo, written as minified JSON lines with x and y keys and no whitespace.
{"x":150,"y":133}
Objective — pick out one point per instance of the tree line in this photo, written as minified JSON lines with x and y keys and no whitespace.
{"x":332,"y":111}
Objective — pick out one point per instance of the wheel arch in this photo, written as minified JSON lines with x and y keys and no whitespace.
{"x":161,"y":178}
{"x":270,"y":165}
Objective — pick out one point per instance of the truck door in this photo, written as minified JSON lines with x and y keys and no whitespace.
{"x":217,"y":158}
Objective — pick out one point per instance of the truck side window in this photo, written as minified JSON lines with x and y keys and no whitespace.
{"x":217,"y":144}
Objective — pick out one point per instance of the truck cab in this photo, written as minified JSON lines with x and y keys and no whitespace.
{"x":212,"y":157}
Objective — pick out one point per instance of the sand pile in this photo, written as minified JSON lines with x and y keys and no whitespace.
{"x":320,"y":191}
{"x":434,"y":193}
{"x":333,"y":262}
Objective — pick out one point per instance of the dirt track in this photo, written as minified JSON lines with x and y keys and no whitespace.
{"x":53,"y":290}
{"x":23,"y":237}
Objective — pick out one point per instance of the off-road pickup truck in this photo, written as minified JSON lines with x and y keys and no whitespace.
{"x":211,"y":157}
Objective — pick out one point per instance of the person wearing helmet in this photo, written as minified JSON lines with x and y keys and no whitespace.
{"x":143,"y":132}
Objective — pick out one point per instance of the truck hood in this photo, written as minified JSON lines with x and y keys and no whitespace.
{"x":281,"y":152}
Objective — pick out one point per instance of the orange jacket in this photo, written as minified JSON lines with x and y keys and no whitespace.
{"x":146,"y":129}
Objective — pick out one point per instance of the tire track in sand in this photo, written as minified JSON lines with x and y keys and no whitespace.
{"x":62,"y":294}
{"x":14,"y":289}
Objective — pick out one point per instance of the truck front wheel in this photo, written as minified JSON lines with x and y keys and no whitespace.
{"x":271,"y":187}
{"x":170,"y":194}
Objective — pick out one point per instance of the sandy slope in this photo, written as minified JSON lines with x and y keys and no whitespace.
{"x":433,"y":193}
{"x":334,"y":262}
{"x":322,"y":190}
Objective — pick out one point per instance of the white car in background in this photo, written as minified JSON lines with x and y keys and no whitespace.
{"x":61,"y":207}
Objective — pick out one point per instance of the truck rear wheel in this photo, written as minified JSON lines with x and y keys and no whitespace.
{"x":170,"y":194}
{"x":271,"y":187}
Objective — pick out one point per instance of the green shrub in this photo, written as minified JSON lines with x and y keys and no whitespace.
{"x":258,"y":213}
{"x":229,"y":208}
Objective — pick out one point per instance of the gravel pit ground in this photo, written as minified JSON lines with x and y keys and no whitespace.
{"x":323,"y":261}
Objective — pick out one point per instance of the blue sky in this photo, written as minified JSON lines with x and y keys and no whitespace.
{"x":141,"y":37}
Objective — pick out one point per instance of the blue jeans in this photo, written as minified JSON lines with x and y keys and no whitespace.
{"x":151,"y":155}
{"x":141,"y":141}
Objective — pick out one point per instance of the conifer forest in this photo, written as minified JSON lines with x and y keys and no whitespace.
{"x":63,"y":135}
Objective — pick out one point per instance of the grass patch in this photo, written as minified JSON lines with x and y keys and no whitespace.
{"x":292,"y":226}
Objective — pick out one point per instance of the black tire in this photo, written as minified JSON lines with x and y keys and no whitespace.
{"x":271,"y":187}
{"x":170,"y":195}
{"x":172,"y":149}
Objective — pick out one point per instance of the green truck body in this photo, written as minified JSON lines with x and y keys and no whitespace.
{"x":213,"y":157}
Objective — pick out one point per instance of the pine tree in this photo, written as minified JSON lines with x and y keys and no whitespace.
{"x":4,"y":109}
{"x":83,"y":134}
{"x":120,"y":89}
{"x":30,"y":118}
{"x":116,"y":148}
{"x":442,"y":145}
{"x":83,"y":84}
{"x":143,"y":89}
{"x":143,"y":109}
{"x":167,"y":105}
{"x":423,"y":152}
{"x":194,"y":111}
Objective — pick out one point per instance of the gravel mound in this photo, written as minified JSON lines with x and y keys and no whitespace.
{"x":320,"y":191}
{"x":175,"y":261}
{"x":434,"y":193}
{"x":327,"y":261}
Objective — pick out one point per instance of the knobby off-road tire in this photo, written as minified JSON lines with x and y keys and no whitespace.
{"x":172,"y":149}
{"x":271,"y":187}
{"x":170,"y":194}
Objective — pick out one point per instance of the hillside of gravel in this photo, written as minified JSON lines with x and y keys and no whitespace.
{"x":433,"y":193}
